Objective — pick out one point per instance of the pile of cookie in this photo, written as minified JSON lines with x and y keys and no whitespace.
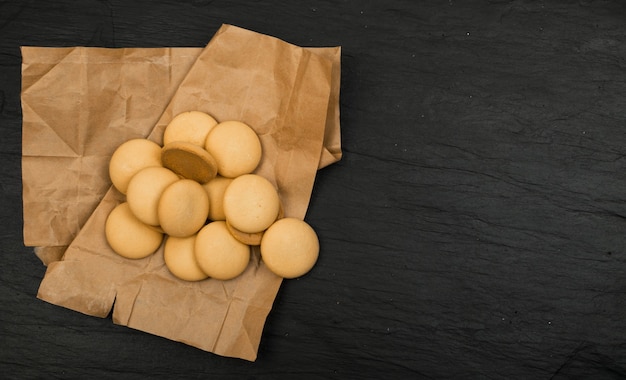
{"x":198,"y":195}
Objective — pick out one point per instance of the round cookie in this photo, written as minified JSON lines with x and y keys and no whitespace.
{"x":179,"y":257}
{"x":219,"y":254}
{"x":290,"y":248}
{"x":130,"y":157}
{"x":189,"y":161}
{"x":128,"y":236}
{"x":244,"y":237}
{"x":235,"y":147}
{"x":183,"y":208}
{"x":251,"y":203}
{"x":144,"y":192}
{"x":215,"y":189}
{"x":191,"y":126}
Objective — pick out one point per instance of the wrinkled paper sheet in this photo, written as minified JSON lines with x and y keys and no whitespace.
{"x":80,"y":103}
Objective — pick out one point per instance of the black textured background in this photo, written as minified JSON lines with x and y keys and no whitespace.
{"x":475,"y":227}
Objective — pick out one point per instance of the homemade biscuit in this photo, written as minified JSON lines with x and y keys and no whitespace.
{"x":235,"y":147}
{"x":251,"y":203}
{"x":290,"y":248}
{"x":130,"y":157}
{"x":244,"y":237}
{"x":128,"y":236}
{"x":144,"y":192}
{"x":191,"y":126}
{"x":189,"y":161}
{"x":179,"y":257}
{"x":218,"y":253}
{"x":183,"y":208}
{"x":251,"y":238}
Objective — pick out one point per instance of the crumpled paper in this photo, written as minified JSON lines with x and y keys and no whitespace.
{"x":79,"y":104}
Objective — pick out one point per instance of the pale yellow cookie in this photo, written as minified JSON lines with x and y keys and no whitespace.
{"x":144,"y":191}
{"x":128,"y":236}
{"x":235,"y":147}
{"x":251,"y":203}
{"x":179,"y":257}
{"x":189,"y":161}
{"x":215,"y":188}
{"x":250,"y":238}
{"x":130,"y":157}
{"x":290,"y":247}
{"x":191,"y":126}
{"x":183,"y":208}
{"x":244,"y":237}
{"x":219,"y":254}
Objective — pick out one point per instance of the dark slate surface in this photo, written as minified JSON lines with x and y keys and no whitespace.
{"x":475,"y":227}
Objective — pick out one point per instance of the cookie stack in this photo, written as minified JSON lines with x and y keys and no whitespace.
{"x":198,"y":195}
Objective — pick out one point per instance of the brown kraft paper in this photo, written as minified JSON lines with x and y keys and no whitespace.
{"x":63,"y":178}
{"x":285,"y":93}
{"x":78,"y":105}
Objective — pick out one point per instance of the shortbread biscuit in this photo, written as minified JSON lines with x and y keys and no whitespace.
{"x":290,"y":248}
{"x":183,"y":208}
{"x":128,"y":236}
{"x":144,"y":192}
{"x":219,"y":254}
{"x":251,"y":203}
{"x":179,"y":257}
{"x":244,"y":237}
{"x":235,"y":147}
{"x":130,"y":157}
{"x":189,"y":161}
{"x":190,"y":126}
